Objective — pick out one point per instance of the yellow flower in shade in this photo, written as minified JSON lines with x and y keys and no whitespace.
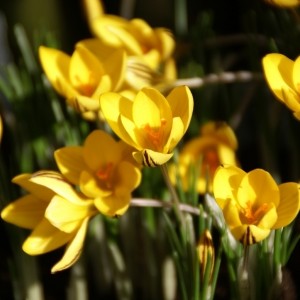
{"x":284,"y":3}
{"x":201,"y":156}
{"x":82,"y":77}
{"x":206,"y":253}
{"x":103,"y":169}
{"x":151,"y":123}
{"x":56,"y":214}
{"x":283,"y":78}
{"x":253,"y":204}
{"x":149,"y":49}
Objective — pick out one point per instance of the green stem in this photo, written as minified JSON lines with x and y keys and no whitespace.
{"x":174,"y":195}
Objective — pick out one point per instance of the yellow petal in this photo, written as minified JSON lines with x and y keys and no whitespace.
{"x":257,"y":187}
{"x":291,"y":99}
{"x":73,"y":250}
{"x":289,"y":205}
{"x":149,"y":107}
{"x":56,"y":183}
{"x":85,"y":71}
{"x":25,"y":212}
{"x":176,"y":134}
{"x":56,"y":65}
{"x":114,"y":205}
{"x":100,"y":148}
{"x":112,"y":105}
{"x":249,"y":234}
{"x":232,"y":214}
{"x":70,"y":162}
{"x":226,"y":182}
{"x":182,"y":104}
{"x":39,"y":191}
{"x":269,"y":218}
{"x":93,"y":9}
{"x":129,"y":176}
{"x":67,"y":216}
{"x":91,"y":187}
{"x":44,"y":238}
{"x":113,"y":31}
{"x":167,"y":43}
{"x":150,"y":158}
{"x":278,"y":72}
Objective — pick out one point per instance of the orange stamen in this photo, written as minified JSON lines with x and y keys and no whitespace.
{"x":104,"y":174}
{"x":254,"y":216}
{"x":86,"y":88}
{"x":155,"y":135}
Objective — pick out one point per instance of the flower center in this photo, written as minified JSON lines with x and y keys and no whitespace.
{"x":155,"y":135}
{"x":104,"y":175}
{"x":86,"y":88}
{"x":253,"y":216}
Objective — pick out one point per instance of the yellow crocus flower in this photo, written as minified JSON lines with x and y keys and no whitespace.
{"x":216,"y":145}
{"x":283,"y":77}
{"x":150,"y":50}
{"x":151,"y":123}
{"x":82,"y":77}
{"x":103,"y":169}
{"x":253,"y":204}
{"x":56,"y":214}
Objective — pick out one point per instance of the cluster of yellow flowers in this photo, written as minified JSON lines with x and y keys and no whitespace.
{"x":121,"y":77}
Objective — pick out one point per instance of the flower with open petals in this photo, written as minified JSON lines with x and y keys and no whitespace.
{"x":103,"y":169}
{"x":201,"y":156}
{"x":82,"y":77}
{"x":56,"y":214}
{"x":151,"y":123}
{"x":283,"y":77}
{"x":253,"y":204}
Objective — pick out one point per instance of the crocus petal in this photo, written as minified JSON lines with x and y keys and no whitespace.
{"x":39,"y":191}
{"x":150,"y":158}
{"x":296,"y":74}
{"x":112,"y":104}
{"x":167,"y":43}
{"x":25,"y":212}
{"x":100,"y":148}
{"x":73,"y":250}
{"x":278,"y":71}
{"x":289,"y":205}
{"x":67,"y":216}
{"x":249,"y":234}
{"x":182,"y":104}
{"x":56,"y":65}
{"x":257,"y":187}
{"x":45,"y":238}
{"x":114,"y":205}
{"x":176,"y":134}
{"x":70,"y":162}
{"x":129,"y":175}
{"x":91,"y":187}
{"x":225,"y":183}
{"x":56,"y":183}
{"x":149,"y":107}
{"x":269,"y":218}
{"x":231,"y":214}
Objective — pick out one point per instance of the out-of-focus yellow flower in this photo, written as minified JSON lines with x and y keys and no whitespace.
{"x":137,"y":71}
{"x":253,"y":204}
{"x":151,"y":123}
{"x":82,"y":77}
{"x":284,"y":3}
{"x":103,"y":170}
{"x":201,"y":156}
{"x":283,"y":77}
{"x":206,"y":252}
{"x":56,"y":214}
{"x":149,"y":50}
